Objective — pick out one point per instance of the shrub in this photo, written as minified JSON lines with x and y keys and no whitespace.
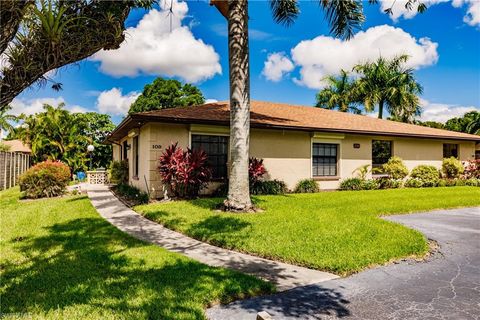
{"x":471,"y":169}
{"x":460,"y":182}
{"x":452,"y":168}
{"x":413,"y":183}
{"x":371,"y":184}
{"x":306,"y":186}
{"x":442,"y":183}
{"x":472,"y":182}
{"x":351,"y":184}
{"x":132,"y":193}
{"x":269,"y":187}
{"x":4,"y":147}
{"x":185,"y":172}
{"x":395,"y":168}
{"x":46,"y":179}
{"x":387,"y":183}
{"x":429,"y":175}
{"x":256,"y":170}
{"x":362,"y":171}
{"x":119,"y":172}
{"x":449,"y":182}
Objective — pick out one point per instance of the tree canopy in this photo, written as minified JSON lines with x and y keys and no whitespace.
{"x":469,"y":123}
{"x":43,"y":35}
{"x":167,"y":93}
{"x":57,"y":134}
{"x":339,"y":94}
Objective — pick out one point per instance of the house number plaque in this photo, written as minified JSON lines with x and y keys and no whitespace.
{"x":156,"y":146}
{"x":356,"y":145}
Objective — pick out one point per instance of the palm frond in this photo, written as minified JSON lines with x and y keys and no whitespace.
{"x":344,"y":16}
{"x":284,"y":11}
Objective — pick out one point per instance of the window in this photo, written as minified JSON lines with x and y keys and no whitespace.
{"x":216,"y":148}
{"x":381,"y":152}
{"x":450,"y":150}
{"x":125,"y":149}
{"x":324,"y":159}
{"x":135,"y":156}
{"x":477,"y":154}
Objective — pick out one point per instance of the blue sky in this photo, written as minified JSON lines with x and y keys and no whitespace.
{"x":287,"y":64}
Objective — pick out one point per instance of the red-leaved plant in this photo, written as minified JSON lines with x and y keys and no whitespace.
{"x":256,"y":170}
{"x":185,"y":172}
{"x":472,"y":169}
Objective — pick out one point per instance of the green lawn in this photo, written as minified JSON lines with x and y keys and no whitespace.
{"x":60,"y":260}
{"x":339,"y":232}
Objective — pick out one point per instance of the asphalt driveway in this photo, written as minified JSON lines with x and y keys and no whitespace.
{"x":447,"y":286}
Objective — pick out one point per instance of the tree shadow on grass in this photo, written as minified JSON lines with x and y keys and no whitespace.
{"x":90,"y":265}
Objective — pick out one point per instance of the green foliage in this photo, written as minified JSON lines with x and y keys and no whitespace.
{"x":389,"y":183}
{"x":46,"y":179}
{"x":395,"y":168}
{"x":7,"y":119}
{"x":307,"y":186}
{"x":460,"y":182}
{"x":362,"y":171}
{"x":473,"y":182}
{"x":351,"y":184}
{"x":469,"y":123}
{"x":452,"y":168}
{"x":4,"y":147}
{"x":338,"y":94}
{"x":167,"y":93}
{"x":132,"y":193}
{"x":57,"y":134}
{"x":387,"y":83}
{"x":118,"y":172}
{"x":428,"y":175}
{"x":414,"y":183}
{"x":269,"y":187}
{"x":431,"y":124}
{"x":371,"y":184}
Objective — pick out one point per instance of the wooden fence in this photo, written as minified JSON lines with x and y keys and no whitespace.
{"x":12,"y":165}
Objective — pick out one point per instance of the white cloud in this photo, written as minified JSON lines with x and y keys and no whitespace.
{"x":211,"y":100}
{"x":161,"y":45}
{"x":32,"y":106}
{"x":473,"y":11}
{"x":113,"y":102}
{"x":441,"y":112}
{"x":276,"y":66}
{"x":324,"y":55}
{"x":472,"y":16}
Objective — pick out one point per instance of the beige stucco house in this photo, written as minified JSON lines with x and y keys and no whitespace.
{"x":295,"y":142}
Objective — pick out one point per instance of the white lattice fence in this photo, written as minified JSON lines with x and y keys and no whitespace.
{"x":97,"y":177}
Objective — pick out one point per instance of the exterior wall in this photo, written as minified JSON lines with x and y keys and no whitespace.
{"x":287,"y":154}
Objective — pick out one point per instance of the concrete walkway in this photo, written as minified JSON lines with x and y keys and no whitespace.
{"x":284,"y":276}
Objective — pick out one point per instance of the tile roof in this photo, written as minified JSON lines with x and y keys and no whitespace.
{"x":17,"y":146}
{"x":285,"y":116}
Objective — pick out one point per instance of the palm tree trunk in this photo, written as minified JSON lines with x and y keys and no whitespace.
{"x":238,"y":198}
{"x":380,"y":109}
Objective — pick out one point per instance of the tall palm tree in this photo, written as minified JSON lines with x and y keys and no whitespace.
{"x":343,"y":16}
{"x":339,"y":94}
{"x":6,"y":119}
{"x":387,"y":83}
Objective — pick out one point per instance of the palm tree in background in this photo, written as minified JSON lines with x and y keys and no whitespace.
{"x":338,"y":94}
{"x":343,"y":16}
{"x":388,"y":84}
{"x":5,"y":120}
{"x":473,"y":122}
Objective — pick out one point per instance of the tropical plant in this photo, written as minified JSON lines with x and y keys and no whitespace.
{"x":468,"y":123}
{"x":343,"y":16}
{"x":428,"y":175}
{"x":389,"y":183}
{"x":387,"y":83}
{"x":472,"y":169}
{"x":452,"y":168}
{"x":256,"y":170}
{"x":351,"y":184}
{"x":55,"y":135}
{"x":43,"y":35}
{"x":6,"y":119}
{"x":119,"y":172}
{"x":4,"y":147}
{"x":167,"y":93}
{"x":185,"y":172}
{"x":362,"y":171}
{"x":338,"y":94}
{"x":415,"y":183}
{"x":132,"y":194}
{"x":46,"y":179}
{"x":270,"y":187}
{"x":307,"y":186}
{"x":395,"y":168}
